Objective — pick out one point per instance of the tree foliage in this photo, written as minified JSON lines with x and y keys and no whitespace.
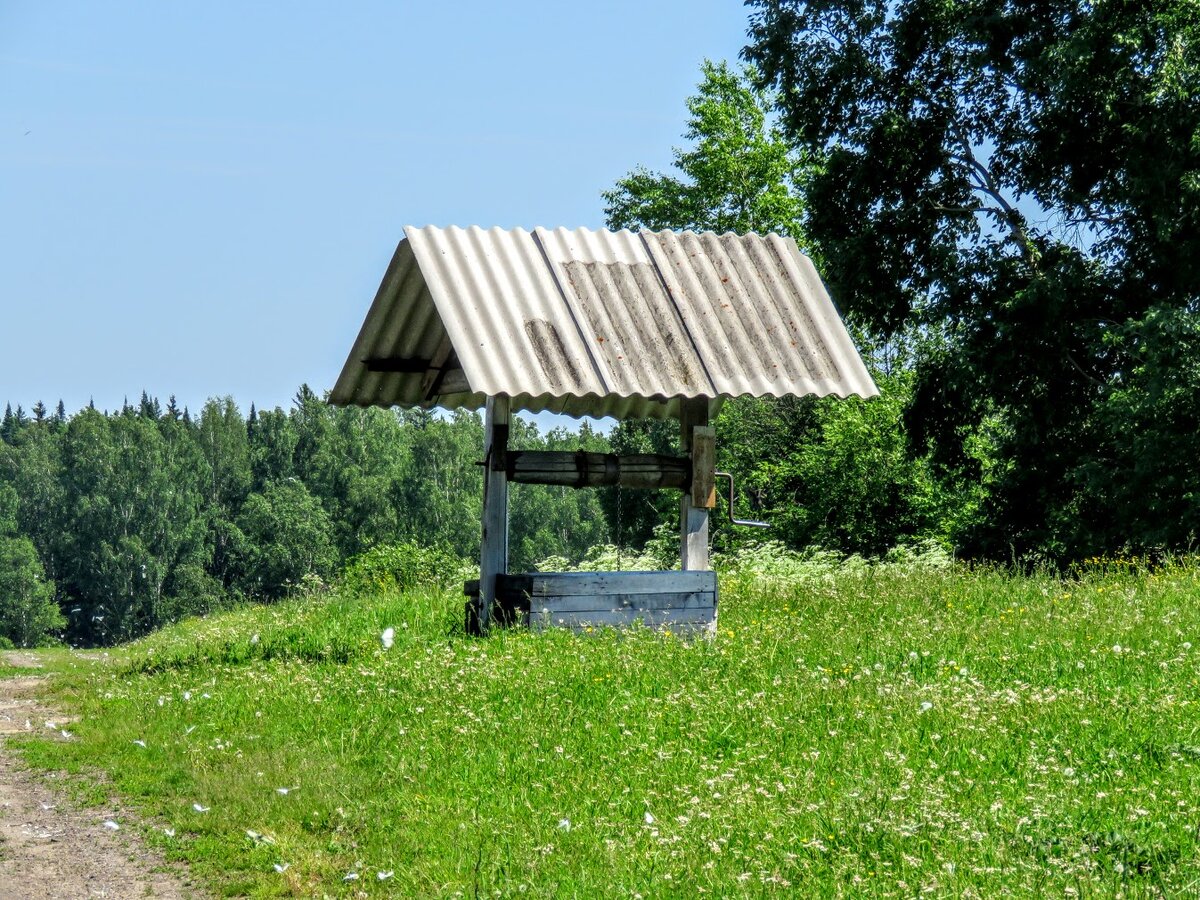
{"x":28,"y":613}
{"x":1020,"y":179}
{"x":739,"y":174}
{"x":828,"y":472}
{"x":125,"y":522}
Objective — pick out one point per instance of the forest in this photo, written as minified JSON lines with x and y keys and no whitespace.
{"x":1006,"y":210}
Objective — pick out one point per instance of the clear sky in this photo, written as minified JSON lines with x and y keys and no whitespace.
{"x":199,"y":199}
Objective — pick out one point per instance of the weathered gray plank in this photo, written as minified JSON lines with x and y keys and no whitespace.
{"x":682,"y":629}
{"x":623,"y":602}
{"x":562,"y":584}
{"x":653,"y":618}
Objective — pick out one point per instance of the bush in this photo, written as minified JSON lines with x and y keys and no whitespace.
{"x":402,"y":567}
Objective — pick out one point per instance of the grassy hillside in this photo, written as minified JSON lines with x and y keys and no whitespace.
{"x":851,"y":731}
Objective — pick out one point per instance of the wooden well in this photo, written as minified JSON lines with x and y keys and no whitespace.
{"x":682,"y":601}
{"x":607,"y":324}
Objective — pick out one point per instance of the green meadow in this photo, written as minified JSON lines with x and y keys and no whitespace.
{"x":895,"y":729}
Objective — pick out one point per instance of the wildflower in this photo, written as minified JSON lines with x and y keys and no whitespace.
{"x":926,"y":706}
{"x":388,"y":638}
{"x":649,"y":818}
{"x":1116,"y":648}
{"x":169,"y":832}
{"x":564,"y":824}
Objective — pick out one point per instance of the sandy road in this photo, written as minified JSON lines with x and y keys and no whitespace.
{"x":49,"y":849}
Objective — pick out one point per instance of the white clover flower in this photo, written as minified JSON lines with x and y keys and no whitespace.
{"x":564,"y":824}
{"x":649,"y":818}
{"x":926,"y":706}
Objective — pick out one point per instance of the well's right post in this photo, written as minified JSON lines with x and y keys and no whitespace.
{"x":693,"y":520}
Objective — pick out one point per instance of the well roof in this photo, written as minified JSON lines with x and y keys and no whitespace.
{"x":597,"y":323}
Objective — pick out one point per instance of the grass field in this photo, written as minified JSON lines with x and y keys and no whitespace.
{"x":882,"y":731}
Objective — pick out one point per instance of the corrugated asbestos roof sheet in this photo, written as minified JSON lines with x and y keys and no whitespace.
{"x":597,"y":323}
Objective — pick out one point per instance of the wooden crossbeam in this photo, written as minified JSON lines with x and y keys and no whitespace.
{"x":582,"y":469}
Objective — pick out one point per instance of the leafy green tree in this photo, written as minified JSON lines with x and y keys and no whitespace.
{"x":32,"y":466}
{"x":1021,"y":179}
{"x":288,"y":538}
{"x":272,"y":442}
{"x":221,"y":434}
{"x":29,"y":614}
{"x":129,"y":520}
{"x":442,"y":488}
{"x":739,"y":175}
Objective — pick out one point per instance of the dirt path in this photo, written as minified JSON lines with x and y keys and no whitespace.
{"x":47,"y":848}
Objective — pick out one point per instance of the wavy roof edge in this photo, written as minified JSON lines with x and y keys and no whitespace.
{"x":597,"y":323}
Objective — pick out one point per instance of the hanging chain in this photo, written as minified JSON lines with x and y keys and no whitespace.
{"x":620,"y":503}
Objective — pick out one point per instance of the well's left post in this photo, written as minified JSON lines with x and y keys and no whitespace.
{"x":493,"y":555}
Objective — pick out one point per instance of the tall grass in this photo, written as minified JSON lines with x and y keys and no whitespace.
{"x":858,"y":729}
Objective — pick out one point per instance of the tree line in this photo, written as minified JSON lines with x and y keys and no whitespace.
{"x":112,"y":525}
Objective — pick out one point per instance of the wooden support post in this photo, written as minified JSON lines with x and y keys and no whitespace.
{"x":704,"y":467}
{"x":493,"y":555}
{"x":693,"y":520}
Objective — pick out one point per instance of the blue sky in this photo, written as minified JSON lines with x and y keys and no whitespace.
{"x":200,"y":199}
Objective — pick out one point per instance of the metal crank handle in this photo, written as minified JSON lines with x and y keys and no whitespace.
{"x":750,"y":523}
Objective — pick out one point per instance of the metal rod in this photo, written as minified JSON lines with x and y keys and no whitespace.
{"x":749,"y":523}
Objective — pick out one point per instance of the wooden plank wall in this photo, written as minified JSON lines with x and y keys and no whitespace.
{"x":683,"y":602}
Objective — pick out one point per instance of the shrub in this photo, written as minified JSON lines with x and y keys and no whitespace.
{"x":392,"y":567}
